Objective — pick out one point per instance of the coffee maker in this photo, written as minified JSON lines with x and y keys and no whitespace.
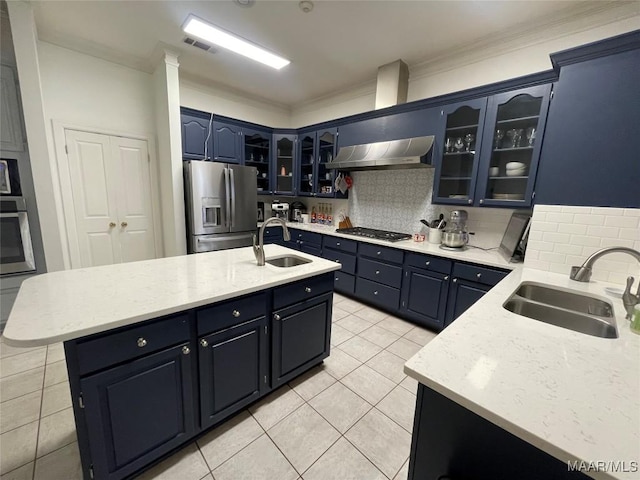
{"x":455,"y":236}
{"x":298,"y":208}
{"x":280,"y":210}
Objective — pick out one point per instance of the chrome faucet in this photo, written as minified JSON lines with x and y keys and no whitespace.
{"x":583,"y":274}
{"x":258,"y":250}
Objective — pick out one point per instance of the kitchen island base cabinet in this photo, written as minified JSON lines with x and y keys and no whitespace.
{"x":233,"y":369}
{"x":451,"y":442}
{"x":301,"y":337}
{"x":138,"y":411}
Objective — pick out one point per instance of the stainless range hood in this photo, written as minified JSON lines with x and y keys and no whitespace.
{"x":404,"y":153}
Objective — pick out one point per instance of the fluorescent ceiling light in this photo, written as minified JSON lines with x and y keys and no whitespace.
{"x":198,"y":28}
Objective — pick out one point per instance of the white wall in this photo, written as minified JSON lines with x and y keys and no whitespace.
{"x":224,"y":102}
{"x":88,"y":91}
{"x":492,"y":61}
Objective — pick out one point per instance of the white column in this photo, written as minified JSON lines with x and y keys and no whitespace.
{"x":167,"y":92}
{"x":44,"y":170}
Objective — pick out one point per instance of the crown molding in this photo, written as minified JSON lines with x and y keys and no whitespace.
{"x":572,"y":20}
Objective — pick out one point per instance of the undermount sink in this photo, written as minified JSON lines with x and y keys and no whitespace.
{"x":564,"y":308}
{"x":287,"y":261}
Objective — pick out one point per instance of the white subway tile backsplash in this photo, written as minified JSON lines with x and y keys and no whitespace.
{"x":572,"y":228}
{"x":588,"y":219}
{"x":539,"y":216}
{"x":580,"y":232}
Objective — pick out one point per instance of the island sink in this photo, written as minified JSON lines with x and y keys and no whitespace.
{"x":287,"y":261}
{"x":563,"y":308}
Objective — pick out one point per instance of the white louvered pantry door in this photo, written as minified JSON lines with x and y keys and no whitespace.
{"x":110,"y":183}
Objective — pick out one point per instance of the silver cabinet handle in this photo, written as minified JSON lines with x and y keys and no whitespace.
{"x":186,"y":350}
{"x":141,"y":342}
{"x":377,"y":272}
{"x":337,"y":279}
{"x":478,"y":275}
{"x":307,"y":289}
{"x":299,"y":235}
{"x":455,"y":280}
{"x":446,"y":277}
{"x":378,"y":253}
{"x":427,"y":263}
{"x":204,"y":343}
{"x":338,"y":244}
{"x":276,"y":316}
{"x":235,"y":313}
{"x":470,"y":201}
{"x":481,"y":201}
{"x":375,"y":293}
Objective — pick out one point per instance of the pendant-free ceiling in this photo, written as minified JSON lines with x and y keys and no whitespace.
{"x":215,"y":35}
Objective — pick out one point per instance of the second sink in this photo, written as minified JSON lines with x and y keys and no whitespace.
{"x":287,"y":261}
{"x":564,"y":299}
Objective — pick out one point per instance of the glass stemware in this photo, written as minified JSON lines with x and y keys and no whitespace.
{"x":497,"y":139}
{"x":459,"y":145}
{"x":448,"y":145}
{"x":468,"y":140}
{"x":531,"y":136}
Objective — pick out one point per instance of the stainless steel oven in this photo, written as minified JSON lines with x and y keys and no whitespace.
{"x":16,"y":250}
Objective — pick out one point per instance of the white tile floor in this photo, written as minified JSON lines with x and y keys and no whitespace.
{"x":349,"y":418}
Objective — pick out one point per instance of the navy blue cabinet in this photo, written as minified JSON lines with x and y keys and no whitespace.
{"x":415,"y":123}
{"x":308,"y":242}
{"x":315,"y":150}
{"x":457,"y":151}
{"x":197,"y":141}
{"x":284,"y":152}
{"x":301,"y":335}
{"x":138,"y":411}
{"x":227,"y":143}
{"x":256,"y":147}
{"x":424,"y":296}
{"x":589,"y":156}
{"x":233,"y":368}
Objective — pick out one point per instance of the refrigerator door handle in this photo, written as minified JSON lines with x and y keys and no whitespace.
{"x":227,"y":197}
{"x":233,"y":198}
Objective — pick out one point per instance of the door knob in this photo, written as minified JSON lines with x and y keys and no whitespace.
{"x":276,"y":317}
{"x":112,"y":224}
{"x":124,"y":224}
{"x":141,"y":342}
{"x":204,"y":343}
{"x":186,"y":350}
{"x":236,"y":313}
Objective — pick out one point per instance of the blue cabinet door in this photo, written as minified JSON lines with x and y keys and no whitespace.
{"x":300,"y":337}
{"x":424,"y":296}
{"x":226,"y":143}
{"x":514,"y":127}
{"x":126,"y":411}
{"x":589,"y":156}
{"x":196,"y":139}
{"x":233,"y":369}
{"x":463,"y":294}
{"x":284,"y":155}
{"x":326,"y":145}
{"x":456,"y":152}
{"x":306,"y":165}
{"x":256,"y":148}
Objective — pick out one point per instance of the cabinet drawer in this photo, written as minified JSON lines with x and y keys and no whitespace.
{"x":233,"y":312}
{"x":347,"y":260}
{"x":340,"y":244}
{"x":381,"y":253}
{"x":272,"y":232}
{"x":310,"y":248}
{"x":343,"y":282}
{"x":427,"y":262}
{"x":377,"y":293}
{"x":380,"y":272}
{"x":307,"y":237}
{"x":97,"y":353}
{"x":478,"y":274}
{"x":299,"y":291}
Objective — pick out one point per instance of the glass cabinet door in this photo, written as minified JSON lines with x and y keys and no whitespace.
{"x":257,"y":148}
{"x":327,"y":140}
{"x":458,"y":151}
{"x":284,"y":163}
{"x":306,"y":172}
{"x":515,"y":122}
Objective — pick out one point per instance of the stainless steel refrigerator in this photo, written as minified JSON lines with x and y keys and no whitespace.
{"x":221,"y":205}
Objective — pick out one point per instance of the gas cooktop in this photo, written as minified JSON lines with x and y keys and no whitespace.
{"x":373,"y":233}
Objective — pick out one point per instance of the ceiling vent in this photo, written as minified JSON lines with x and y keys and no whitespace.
{"x":201,"y":45}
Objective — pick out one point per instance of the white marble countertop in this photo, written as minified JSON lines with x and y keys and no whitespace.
{"x":60,"y":306}
{"x":574,"y":396}
{"x":473,"y":255}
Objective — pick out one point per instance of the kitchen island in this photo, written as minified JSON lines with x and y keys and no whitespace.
{"x":160,"y":351}
{"x":505,"y":396}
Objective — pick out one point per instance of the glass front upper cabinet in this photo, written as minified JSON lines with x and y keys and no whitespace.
{"x":327,"y":140}
{"x":285,"y":146}
{"x":458,"y":149}
{"x":257,"y":153}
{"x":512,"y":142}
{"x":308,"y":159}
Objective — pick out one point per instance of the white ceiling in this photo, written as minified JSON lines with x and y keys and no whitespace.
{"x":338,"y":45}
